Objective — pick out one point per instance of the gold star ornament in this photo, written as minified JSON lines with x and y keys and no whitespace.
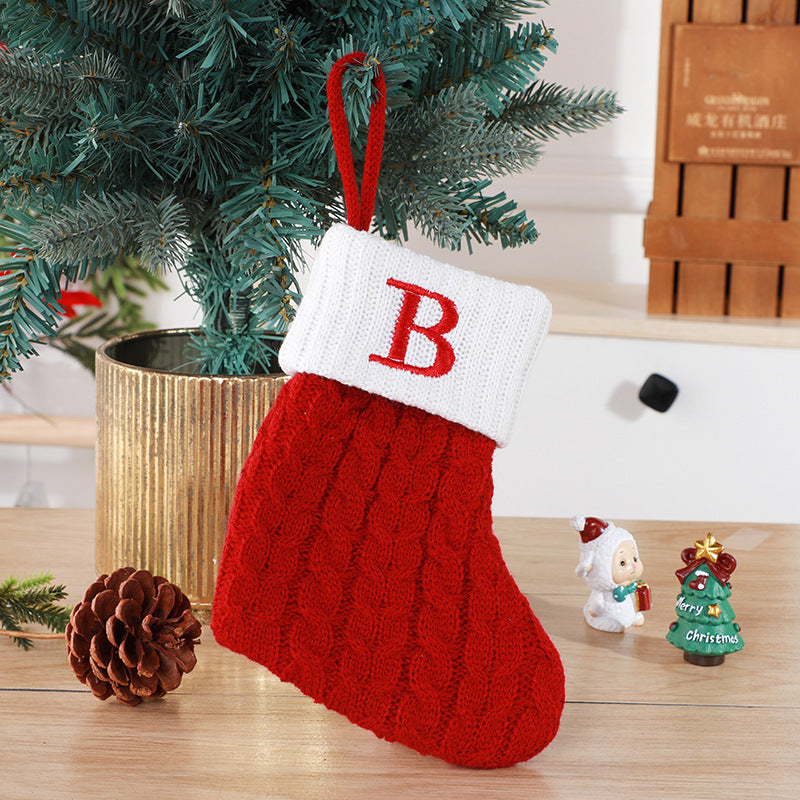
{"x":708,"y":548}
{"x":714,"y":611}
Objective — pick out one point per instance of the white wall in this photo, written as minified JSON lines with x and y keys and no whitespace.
{"x":588,"y":197}
{"x":590,"y":192}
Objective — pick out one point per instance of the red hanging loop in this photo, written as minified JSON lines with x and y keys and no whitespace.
{"x":359,"y":208}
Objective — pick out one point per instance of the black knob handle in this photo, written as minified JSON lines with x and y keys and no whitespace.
{"x":658,"y":392}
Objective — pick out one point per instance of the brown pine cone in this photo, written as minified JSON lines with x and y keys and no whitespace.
{"x":132,"y":635}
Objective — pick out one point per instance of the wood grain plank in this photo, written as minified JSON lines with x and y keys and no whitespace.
{"x":271,"y":744}
{"x":723,"y":239}
{"x":233,"y":730}
{"x":755,"y":289}
{"x":55,"y":431}
{"x":790,"y":298}
{"x":661,"y":287}
{"x":666,"y":183}
{"x":266,"y":743}
{"x":706,"y":193}
{"x":667,"y":175}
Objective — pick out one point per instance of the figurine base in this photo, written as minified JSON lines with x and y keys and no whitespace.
{"x":703,"y":661}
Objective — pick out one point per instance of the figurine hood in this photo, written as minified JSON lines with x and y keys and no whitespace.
{"x":599,"y":540}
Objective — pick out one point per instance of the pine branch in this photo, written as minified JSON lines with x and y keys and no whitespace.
{"x":277,"y":64}
{"x":220,"y":29}
{"x":138,"y":13}
{"x":454,"y":12}
{"x":497,"y":218}
{"x":494,"y":58}
{"x":23,"y":187}
{"x":407,"y":34}
{"x":92,"y":233}
{"x":207,"y":147}
{"x":546,"y":110}
{"x":28,"y":303}
{"x":67,"y":26}
{"x":449,"y":136}
{"x":56,"y":24}
{"x":460,"y":214}
{"x":99,"y":229}
{"x":52,"y":84}
{"x":276,"y":297}
{"x":505,"y":10}
{"x":119,"y":144}
{"x":162,"y":235}
{"x":250,"y":306}
{"x":30,"y":311}
{"x":268,"y":217}
{"x":251,"y":295}
{"x":35,"y":179}
{"x":32,"y":600}
{"x":23,"y":140}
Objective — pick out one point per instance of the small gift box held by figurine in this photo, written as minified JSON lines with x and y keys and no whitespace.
{"x":705,"y":629}
{"x":611,"y":566}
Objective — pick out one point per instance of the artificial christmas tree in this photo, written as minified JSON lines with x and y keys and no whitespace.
{"x":194,"y":133}
{"x":705,"y":629}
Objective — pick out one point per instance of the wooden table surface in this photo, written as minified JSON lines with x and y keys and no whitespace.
{"x":639,"y":721}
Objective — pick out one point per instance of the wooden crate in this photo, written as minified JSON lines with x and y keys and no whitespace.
{"x":723,"y":230}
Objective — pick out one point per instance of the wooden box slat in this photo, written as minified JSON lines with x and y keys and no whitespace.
{"x":666,"y":201}
{"x":790,"y":289}
{"x":722,"y":239}
{"x":701,"y":284}
{"x":760,"y":195}
{"x":754,"y":288}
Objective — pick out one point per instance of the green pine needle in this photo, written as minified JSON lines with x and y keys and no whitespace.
{"x":546,"y":110}
{"x":32,"y":600}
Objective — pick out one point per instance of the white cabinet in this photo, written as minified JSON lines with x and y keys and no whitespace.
{"x":727,"y":449}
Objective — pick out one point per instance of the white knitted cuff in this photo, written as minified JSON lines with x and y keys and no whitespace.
{"x":384,"y":319}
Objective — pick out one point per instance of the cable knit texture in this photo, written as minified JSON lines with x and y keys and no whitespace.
{"x":360,"y":565}
{"x":346,"y":329}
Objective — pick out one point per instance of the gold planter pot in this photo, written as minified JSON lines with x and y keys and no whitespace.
{"x":170,"y":446}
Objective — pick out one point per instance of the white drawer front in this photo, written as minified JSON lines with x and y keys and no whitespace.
{"x":728,"y":448}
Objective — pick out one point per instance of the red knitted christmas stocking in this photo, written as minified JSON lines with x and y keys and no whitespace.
{"x":360,"y":562}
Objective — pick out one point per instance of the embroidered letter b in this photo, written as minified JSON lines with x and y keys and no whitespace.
{"x":445,"y":357}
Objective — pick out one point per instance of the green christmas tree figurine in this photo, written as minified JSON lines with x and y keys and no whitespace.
{"x":705,"y":629}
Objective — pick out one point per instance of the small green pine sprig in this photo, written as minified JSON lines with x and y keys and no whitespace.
{"x":547,"y":110}
{"x":68,"y":81}
{"x":32,"y":600}
{"x":98,"y":229}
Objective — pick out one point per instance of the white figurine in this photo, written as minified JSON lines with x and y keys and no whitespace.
{"x":611,"y":566}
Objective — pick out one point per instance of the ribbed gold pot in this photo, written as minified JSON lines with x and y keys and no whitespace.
{"x":170,"y":446}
